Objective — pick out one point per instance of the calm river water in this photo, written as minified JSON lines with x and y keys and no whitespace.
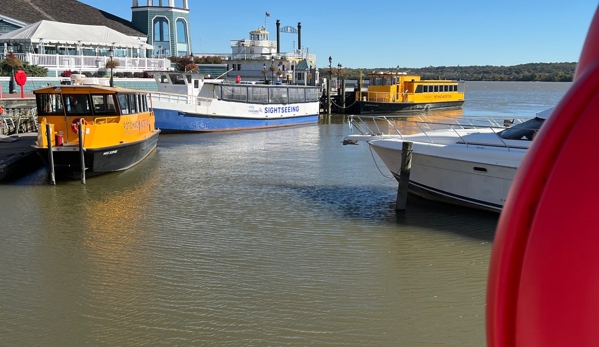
{"x":263,"y":238}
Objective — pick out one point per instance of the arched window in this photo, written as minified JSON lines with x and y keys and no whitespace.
{"x":161,"y":32}
{"x":181,"y":31}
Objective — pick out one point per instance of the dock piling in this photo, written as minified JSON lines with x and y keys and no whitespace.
{"x":81,"y":153}
{"x":404,"y":176}
{"x":50,"y":155}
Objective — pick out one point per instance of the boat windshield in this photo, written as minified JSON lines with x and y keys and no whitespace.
{"x":383,"y":81}
{"x":523,"y":131}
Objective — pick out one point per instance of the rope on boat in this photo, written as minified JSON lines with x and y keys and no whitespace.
{"x":377,"y":165}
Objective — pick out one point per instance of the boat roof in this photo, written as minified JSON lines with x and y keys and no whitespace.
{"x":84,"y":88}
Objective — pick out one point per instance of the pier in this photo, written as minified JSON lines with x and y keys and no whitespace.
{"x":18,"y":132}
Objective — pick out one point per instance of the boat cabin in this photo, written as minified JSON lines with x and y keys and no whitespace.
{"x":185,"y":84}
{"x":65,"y":106}
{"x":401,"y":87}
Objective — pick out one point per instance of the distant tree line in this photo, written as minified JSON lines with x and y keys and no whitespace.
{"x":545,"y":72}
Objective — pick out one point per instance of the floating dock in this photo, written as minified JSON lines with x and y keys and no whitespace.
{"x":17,"y":157}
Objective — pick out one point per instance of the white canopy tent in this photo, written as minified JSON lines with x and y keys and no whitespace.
{"x":50,"y":32}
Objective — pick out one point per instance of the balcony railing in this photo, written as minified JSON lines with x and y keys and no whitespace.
{"x":59,"y":62}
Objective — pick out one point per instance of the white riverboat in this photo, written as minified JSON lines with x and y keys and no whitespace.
{"x":189,"y":102}
{"x":463,"y":164}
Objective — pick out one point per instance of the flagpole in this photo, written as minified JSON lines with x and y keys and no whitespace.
{"x":266,"y":15}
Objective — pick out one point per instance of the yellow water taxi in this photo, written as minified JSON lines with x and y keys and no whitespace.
{"x":390,"y":92}
{"x":85,"y":130}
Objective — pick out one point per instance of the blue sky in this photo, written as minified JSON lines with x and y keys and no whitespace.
{"x":381,"y":33}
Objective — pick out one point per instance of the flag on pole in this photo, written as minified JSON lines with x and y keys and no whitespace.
{"x":267,"y":14}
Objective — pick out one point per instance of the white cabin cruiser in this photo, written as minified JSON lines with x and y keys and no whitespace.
{"x":463,"y":164}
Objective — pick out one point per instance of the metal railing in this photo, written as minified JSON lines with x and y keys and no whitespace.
{"x":389,"y":127}
{"x":18,"y":120}
{"x":91,"y":63}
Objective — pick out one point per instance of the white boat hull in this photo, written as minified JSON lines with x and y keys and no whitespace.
{"x":440,"y":172}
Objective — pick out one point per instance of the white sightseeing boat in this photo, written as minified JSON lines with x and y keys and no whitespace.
{"x":463,"y":164}
{"x":188,"y":102}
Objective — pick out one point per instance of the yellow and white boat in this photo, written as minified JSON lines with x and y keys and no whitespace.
{"x":93,"y":129}
{"x":391,"y":92}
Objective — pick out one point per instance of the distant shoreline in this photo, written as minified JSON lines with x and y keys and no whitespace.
{"x":538,"y":72}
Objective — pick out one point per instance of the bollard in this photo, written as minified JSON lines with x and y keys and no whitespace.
{"x":404,"y":176}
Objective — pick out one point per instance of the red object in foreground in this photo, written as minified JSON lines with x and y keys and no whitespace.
{"x":543,"y":287}
{"x":21,"y":79}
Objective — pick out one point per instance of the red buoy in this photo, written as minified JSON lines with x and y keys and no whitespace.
{"x":544,"y":273}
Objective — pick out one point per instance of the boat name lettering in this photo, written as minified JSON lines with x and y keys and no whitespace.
{"x":136,"y":125}
{"x":283,"y":109}
{"x":110,"y":152}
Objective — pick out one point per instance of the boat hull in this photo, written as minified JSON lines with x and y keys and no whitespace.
{"x":370,"y":107}
{"x":67,"y":162}
{"x":442,"y":174}
{"x":172,"y":120}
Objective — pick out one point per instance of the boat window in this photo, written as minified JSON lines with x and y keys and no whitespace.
{"x":177,"y":79}
{"x":143,"y":105}
{"x":258,"y":94}
{"x":188,"y":78}
{"x":376,"y":81}
{"x":164,"y":79}
{"x":522,"y":131}
{"x":103,"y":104}
{"x":133,"y":103}
{"x":235,"y":93}
{"x":312,"y":94}
{"x":278,"y":96}
{"x":196,"y":84}
{"x":123,"y":103}
{"x":296,"y":95}
{"x":76,"y":103}
{"x":419,"y":89}
{"x":49,"y":104}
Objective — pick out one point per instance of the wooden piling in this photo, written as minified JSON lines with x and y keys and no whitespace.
{"x":50,"y":155}
{"x":329,"y":95}
{"x":343,"y":95}
{"x":81,"y":153}
{"x":404,"y":176}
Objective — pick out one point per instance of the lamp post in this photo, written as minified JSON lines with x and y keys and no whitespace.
{"x":11,"y":83}
{"x":272,"y":70}
{"x":111,"y":55}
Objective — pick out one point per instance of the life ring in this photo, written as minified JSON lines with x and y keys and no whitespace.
{"x":75,"y":124}
{"x":1,"y":110}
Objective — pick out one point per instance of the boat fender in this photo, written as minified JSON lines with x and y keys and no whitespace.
{"x":75,"y":124}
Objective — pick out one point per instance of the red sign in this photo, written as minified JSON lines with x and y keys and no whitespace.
{"x":21,"y":77}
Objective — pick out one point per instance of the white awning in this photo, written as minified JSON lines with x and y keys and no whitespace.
{"x":72,"y":34}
